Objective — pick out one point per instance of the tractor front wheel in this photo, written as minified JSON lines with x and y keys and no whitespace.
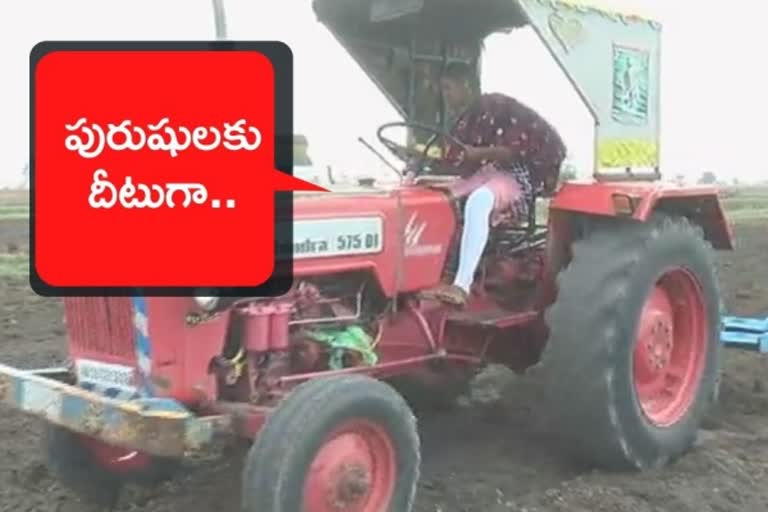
{"x":342,"y":444}
{"x":633,"y":354}
{"x":96,"y":471}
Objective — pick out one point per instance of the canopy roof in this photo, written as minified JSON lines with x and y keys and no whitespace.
{"x":460,"y":18}
{"x":394,"y":20}
{"x":611,"y":55}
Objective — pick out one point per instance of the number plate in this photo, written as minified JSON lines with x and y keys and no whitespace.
{"x":319,"y":238}
{"x":105,"y":374}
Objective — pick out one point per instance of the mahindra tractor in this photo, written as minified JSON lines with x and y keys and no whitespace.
{"x":609,"y":307}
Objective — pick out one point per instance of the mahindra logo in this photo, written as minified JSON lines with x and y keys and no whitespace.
{"x":413,"y":231}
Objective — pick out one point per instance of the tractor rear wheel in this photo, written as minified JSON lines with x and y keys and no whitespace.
{"x":633,"y":355}
{"x":341,"y":443}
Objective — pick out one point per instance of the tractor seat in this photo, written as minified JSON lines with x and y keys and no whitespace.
{"x":511,"y":232}
{"x":518,"y":223}
{"x":523,"y":229}
{"x":517,"y":231}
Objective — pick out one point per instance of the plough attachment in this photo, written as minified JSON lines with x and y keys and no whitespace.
{"x":745,"y":333}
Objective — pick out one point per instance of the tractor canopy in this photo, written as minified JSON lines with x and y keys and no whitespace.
{"x":610,"y":57}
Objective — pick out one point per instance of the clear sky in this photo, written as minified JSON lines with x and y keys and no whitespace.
{"x":713,"y":83}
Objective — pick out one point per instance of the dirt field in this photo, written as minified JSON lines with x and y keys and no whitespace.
{"x":487,"y":458}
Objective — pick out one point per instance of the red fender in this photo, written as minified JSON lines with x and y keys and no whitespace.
{"x":639,"y":200}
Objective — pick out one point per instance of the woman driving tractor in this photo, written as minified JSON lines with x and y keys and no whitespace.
{"x":509,"y":154}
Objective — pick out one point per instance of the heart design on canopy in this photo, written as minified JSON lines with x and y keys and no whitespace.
{"x":569,"y":32}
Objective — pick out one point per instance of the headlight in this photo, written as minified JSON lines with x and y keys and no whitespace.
{"x":207,"y":303}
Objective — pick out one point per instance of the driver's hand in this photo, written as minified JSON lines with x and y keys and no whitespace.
{"x":409,"y":172}
{"x":409,"y":178}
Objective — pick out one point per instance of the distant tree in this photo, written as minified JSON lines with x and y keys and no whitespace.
{"x":25,"y":177}
{"x":300,"y":150}
{"x":707,"y":178}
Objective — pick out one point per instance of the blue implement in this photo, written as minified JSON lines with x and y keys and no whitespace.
{"x":157,"y":426}
{"x":745,"y":333}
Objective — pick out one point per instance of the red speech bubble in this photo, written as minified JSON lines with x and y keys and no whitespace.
{"x":154,"y":167}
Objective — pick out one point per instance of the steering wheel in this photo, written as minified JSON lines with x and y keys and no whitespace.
{"x":406,"y":154}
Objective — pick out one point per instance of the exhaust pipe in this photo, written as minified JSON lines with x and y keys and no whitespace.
{"x":219,"y":19}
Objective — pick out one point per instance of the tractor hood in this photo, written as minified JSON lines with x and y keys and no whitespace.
{"x":344,"y":190}
{"x":357,"y":228}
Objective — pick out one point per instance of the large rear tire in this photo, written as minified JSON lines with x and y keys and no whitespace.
{"x":633,"y":356}
{"x":342,"y":443}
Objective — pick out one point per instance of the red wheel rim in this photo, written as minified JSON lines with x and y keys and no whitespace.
{"x":114,"y":458}
{"x":354,"y":471}
{"x":671,"y":347}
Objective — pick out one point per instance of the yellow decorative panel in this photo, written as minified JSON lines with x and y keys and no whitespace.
{"x":628,"y":153}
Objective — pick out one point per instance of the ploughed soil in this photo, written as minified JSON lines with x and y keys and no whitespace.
{"x":486,"y":457}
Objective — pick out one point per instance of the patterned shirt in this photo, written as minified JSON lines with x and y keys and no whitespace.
{"x":498,"y":120}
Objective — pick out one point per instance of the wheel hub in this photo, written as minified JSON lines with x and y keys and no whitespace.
{"x":659,"y":344}
{"x":352,"y":485}
{"x":670,"y":348}
{"x":354,"y":471}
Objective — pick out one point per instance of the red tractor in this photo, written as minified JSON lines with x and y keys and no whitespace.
{"x":613,"y":303}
